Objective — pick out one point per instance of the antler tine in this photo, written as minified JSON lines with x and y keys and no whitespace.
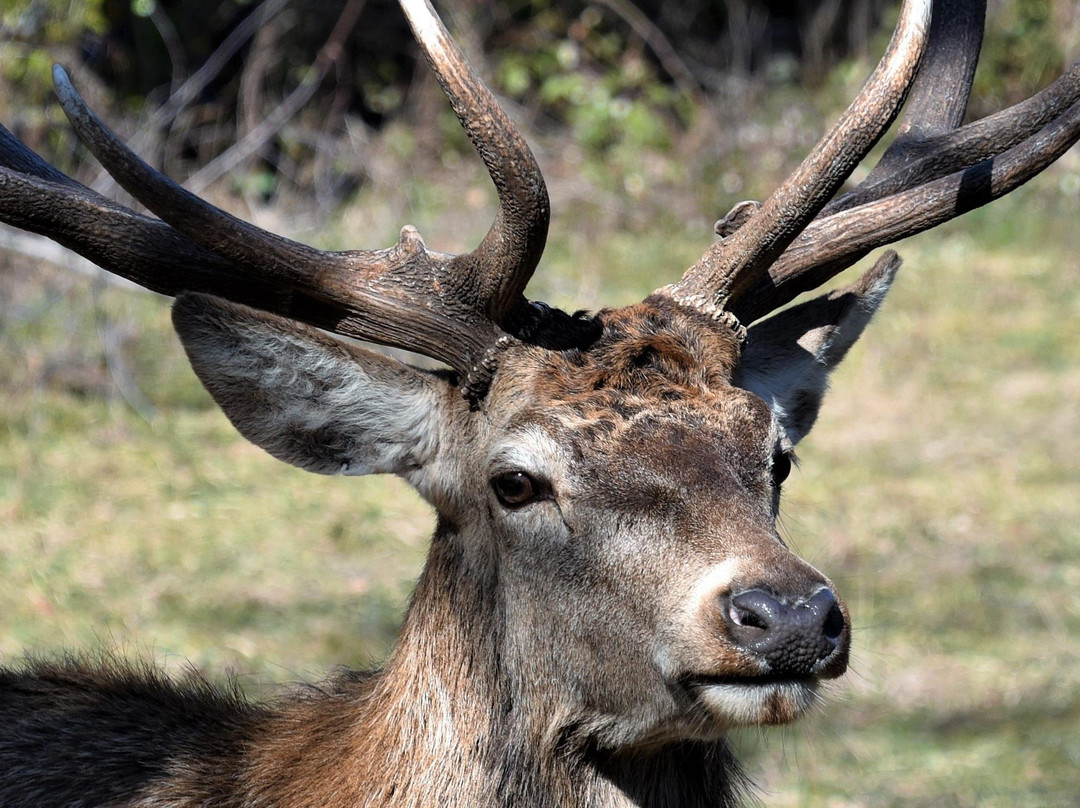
{"x":144,"y":250}
{"x":15,"y":155}
{"x":952,"y":53}
{"x":152,"y":254}
{"x":734,"y":263}
{"x":245,"y":244}
{"x":500,"y":267}
{"x":458,"y":306}
{"x":938,"y":155}
{"x":36,"y":196}
{"x":833,"y":243}
{"x":397,"y":296}
{"x":934,"y":171}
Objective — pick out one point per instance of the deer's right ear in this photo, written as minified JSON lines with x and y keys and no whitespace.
{"x":308,"y":399}
{"x":788,"y":357}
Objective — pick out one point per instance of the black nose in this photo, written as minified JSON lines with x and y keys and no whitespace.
{"x":795,"y":639}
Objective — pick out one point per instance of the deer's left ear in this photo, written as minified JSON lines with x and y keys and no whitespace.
{"x":308,"y":399}
{"x":788,"y":357}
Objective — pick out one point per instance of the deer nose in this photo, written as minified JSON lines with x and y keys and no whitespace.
{"x":795,"y":639}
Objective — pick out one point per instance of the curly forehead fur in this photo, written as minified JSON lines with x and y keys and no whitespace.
{"x":654,"y":351}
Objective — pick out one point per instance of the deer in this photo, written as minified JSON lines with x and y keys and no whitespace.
{"x":606,"y":593}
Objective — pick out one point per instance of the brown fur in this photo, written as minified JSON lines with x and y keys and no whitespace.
{"x":567,"y":653}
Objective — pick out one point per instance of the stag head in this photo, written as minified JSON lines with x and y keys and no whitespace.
{"x":609,"y":484}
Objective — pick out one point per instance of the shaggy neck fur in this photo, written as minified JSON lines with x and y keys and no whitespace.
{"x":448,"y":723}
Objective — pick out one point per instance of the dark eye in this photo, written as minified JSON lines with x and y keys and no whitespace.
{"x":781,"y":467}
{"x":516,"y":488}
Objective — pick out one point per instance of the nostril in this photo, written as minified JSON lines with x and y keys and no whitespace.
{"x":834,"y":623}
{"x":746,"y":618}
{"x":824,"y":611}
{"x":752,"y":615}
{"x":794,"y":638}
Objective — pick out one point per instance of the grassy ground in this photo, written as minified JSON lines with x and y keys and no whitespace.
{"x":940,"y":489}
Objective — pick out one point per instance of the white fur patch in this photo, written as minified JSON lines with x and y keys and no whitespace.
{"x":789,"y":356}
{"x":750,"y":705}
{"x":306,"y":399}
{"x":718,"y":578}
{"x":530,"y":449}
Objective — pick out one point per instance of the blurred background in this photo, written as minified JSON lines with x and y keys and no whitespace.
{"x":940,"y":489}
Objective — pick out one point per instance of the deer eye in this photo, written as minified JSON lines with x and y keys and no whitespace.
{"x":781,"y":467}
{"x":516,"y":488}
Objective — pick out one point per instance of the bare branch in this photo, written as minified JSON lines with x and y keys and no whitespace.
{"x":254,"y":140}
{"x":165,"y":114}
{"x":661,"y":47}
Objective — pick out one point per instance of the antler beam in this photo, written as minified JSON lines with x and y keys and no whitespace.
{"x":935,"y":170}
{"x":732,"y":264}
{"x":451,"y":308}
{"x":832,"y":244}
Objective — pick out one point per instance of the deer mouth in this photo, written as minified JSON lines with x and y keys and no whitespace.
{"x":754,"y":680}
{"x":754,"y":700}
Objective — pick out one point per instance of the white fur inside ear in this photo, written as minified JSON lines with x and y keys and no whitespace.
{"x":307,"y":399}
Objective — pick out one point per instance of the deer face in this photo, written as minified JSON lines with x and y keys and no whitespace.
{"x":630,"y":502}
{"x":618,"y":501}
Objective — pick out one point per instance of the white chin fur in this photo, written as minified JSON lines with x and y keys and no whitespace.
{"x":740,"y":705}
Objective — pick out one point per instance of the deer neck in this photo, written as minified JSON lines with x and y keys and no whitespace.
{"x":436,"y":702}
{"x":459,"y":723}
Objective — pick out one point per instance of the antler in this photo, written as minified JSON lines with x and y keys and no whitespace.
{"x":459,"y":308}
{"x":732,"y":264}
{"x":933,"y":171}
{"x":454,"y":308}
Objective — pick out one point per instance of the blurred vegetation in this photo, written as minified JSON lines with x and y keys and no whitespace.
{"x":940,"y":489}
{"x":618,"y":76}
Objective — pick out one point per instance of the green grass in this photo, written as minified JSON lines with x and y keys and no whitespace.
{"x":940,"y":489}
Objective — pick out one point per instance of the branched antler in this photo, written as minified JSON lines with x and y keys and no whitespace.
{"x":455,"y":308}
{"x":732,"y":264}
{"x":933,"y":171}
{"x":461,"y":309}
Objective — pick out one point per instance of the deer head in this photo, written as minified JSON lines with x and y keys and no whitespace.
{"x":606,"y":486}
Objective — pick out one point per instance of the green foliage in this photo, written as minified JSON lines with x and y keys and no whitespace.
{"x":50,"y":22}
{"x":588,"y":73}
{"x":32,"y":36}
{"x":1021,"y":52}
{"x":32,"y":28}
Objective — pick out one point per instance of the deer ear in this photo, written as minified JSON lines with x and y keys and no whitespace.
{"x":788,"y":358}
{"x":305,"y":398}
